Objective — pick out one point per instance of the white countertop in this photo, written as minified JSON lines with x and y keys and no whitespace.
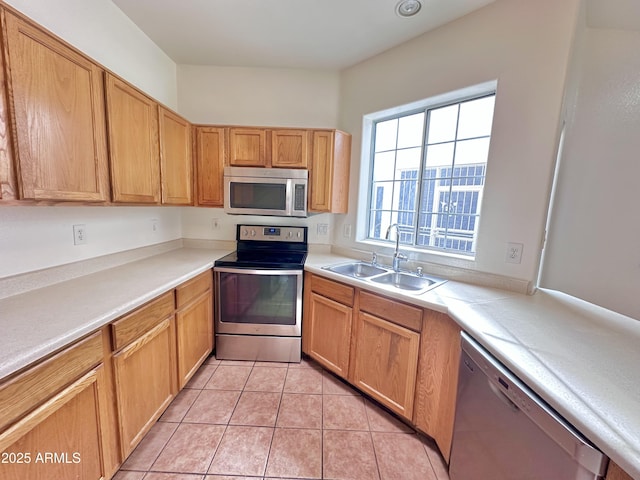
{"x":36,"y":323}
{"x":581,"y":359}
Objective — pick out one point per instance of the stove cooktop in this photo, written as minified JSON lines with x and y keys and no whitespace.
{"x":268,"y":247}
{"x":283,"y":260}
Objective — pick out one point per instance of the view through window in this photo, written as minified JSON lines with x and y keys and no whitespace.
{"x":428,"y":171}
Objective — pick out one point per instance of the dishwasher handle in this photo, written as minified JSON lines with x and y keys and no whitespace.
{"x":502,"y":397}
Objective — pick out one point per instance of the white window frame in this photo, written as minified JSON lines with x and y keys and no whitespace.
{"x":365,"y":186}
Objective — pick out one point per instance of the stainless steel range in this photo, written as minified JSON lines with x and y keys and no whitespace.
{"x":258,"y":295}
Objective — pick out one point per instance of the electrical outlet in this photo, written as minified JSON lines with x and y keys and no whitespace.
{"x":514,"y":252}
{"x":154,"y":225}
{"x":323,"y":229}
{"x":79,"y":234}
{"x":215,"y":223}
{"x":346,"y":230}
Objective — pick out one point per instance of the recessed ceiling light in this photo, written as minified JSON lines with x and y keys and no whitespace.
{"x":408,"y":8}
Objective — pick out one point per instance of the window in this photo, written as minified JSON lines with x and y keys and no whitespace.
{"x":427,"y":174}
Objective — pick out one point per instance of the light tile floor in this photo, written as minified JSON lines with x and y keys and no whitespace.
{"x":257,"y":420}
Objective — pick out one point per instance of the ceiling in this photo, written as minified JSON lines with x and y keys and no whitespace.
{"x":323,"y":34}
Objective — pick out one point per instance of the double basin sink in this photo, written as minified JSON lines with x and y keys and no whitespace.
{"x":404,"y":281}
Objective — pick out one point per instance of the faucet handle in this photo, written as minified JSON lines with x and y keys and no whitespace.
{"x":419,"y":271}
{"x":374,"y":259}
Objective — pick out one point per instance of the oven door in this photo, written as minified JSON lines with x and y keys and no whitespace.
{"x":258,"y":302}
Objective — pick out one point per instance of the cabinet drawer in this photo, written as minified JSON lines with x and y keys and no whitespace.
{"x":29,"y":389}
{"x":392,"y":310}
{"x":193,"y":288}
{"x":333,"y":290}
{"x":130,"y":327}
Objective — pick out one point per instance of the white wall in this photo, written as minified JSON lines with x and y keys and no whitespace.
{"x":262,"y":97}
{"x":197,"y":223}
{"x":523,"y":44}
{"x":32,"y":238}
{"x":100,"y":30}
{"x":259,"y":96}
{"x":593,"y":250}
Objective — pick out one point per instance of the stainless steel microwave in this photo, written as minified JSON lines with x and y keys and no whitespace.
{"x":265,"y":191}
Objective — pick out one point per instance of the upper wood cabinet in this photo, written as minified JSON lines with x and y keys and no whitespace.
{"x":209,"y":165}
{"x":289,"y":148}
{"x":438,"y":379}
{"x":247,"y":147}
{"x":57,"y":120}
{"x":176,"y":169}
{"x":132,"y":120}
{"x":329,"y":172}
{"x":8,"y":185}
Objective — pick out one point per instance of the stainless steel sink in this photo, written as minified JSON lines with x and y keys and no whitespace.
{"x":357,"y":269}
{"x":414,"y":283}
{"x":404,"y":281}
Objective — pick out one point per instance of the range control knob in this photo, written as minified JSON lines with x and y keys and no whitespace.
{"x":253,"y":232}
{"x":245,"y":232}
{"x":290,"y":234}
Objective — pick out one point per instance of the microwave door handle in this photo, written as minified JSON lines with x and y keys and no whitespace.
{"x":289,"y":198}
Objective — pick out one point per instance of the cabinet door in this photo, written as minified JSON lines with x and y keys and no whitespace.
{"x":330,"y":333}
{"x":8,"y":186}
{"x":194,"y":325}
{"x":144,"y":383}
{"x":59,"y":124}
{"x":438,"y":379}
{"x":68,"y":426}
{"x":194,"y":329}
{"x":321,"y":172}
{"x":175,"y":158}
{"x":289,"y":148}
{"x":386,"y":361}
{"x":133,"y":143}
{"x":329,"y":173}
{"x":210,"y":153}
{"x":247,"y":147}
{"x":614,"y":472}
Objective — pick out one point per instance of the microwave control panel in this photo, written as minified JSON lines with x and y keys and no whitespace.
{"x":299,"y":197}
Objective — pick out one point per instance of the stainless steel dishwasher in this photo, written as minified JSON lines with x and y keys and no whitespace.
{"x":504,"y":431}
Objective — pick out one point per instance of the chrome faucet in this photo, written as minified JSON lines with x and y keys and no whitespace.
{"x":397,"y":256}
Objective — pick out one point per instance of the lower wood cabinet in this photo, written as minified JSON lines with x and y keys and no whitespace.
{"x":145,"y":370}
{"x":194,"y":325}
{"x":403,"y":356}
{"x":330,"y":333}
{"x":81,"y":412}
{"x":328,"y":319}
{"x":437,"y":382}
{"x":371,"y":341}
{"x":58,"y":418}
{"x":385,"y":362}
{"x":614,"y":472}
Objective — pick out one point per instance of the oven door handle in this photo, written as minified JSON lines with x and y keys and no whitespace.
{"x":257,"y":271}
